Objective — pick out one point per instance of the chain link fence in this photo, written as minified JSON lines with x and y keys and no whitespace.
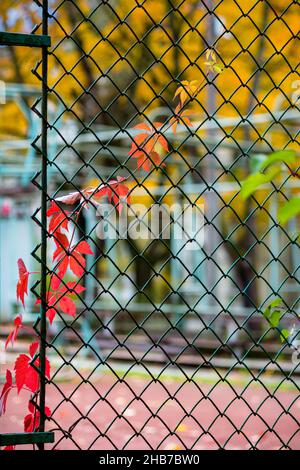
{"x":169,"y":347}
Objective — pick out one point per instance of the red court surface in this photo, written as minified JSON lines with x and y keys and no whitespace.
{"x":107,"y":415}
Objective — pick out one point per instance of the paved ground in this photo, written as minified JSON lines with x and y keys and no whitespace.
{"x":157,"y":419}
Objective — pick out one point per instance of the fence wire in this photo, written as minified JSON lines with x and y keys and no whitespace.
{"x":169,"y":338}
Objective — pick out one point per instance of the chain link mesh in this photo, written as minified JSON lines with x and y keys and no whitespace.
{"x":165,"y":338}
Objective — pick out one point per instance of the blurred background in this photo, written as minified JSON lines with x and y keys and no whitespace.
{"x":111,"y":64}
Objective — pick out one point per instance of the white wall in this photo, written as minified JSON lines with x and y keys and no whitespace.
{"x":16,"y":241}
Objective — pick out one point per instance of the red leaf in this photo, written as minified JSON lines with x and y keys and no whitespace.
{"x":22,"y":285}
{"x":51,"y":312}
{"x":51,"y":302}
{"x":21,"y":370}
{"x":181,"y":117}
{"x":32,"y":377}
{"x":62,"y":269}
{"x":69,"y":257}
{"x":105,"y":189}
{"x":25,"y":373}
{"x":53,"y":209}
{"x":116,"y":192}
{"x":68,"y":306}
{"x":62,"y":244}
{"x":32,"y":420}
{"x":18,"y":321}
{"x":84,"y":248}
{"x":61,"y":298}
{"x":146,"y":147}
{"x":33,"y":348}
{"x":55,"y":282}
{"x":14,"y":333}
{"x":22,"y":267}
{"x":59,"y":218}
{"x":29,"y":422}
{"x":5,"y":392}
{"x":77,"y":263}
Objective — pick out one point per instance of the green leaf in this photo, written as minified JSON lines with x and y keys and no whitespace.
{"x":218,"y":68}
{"x":282,"y":156}
{"x":272,"y":313}
{"x":289,"y":210}
{"x":284,"y":335}
{"x":275,"y":303}
{"x":250,"y":185}
{"x":275,"y":318}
